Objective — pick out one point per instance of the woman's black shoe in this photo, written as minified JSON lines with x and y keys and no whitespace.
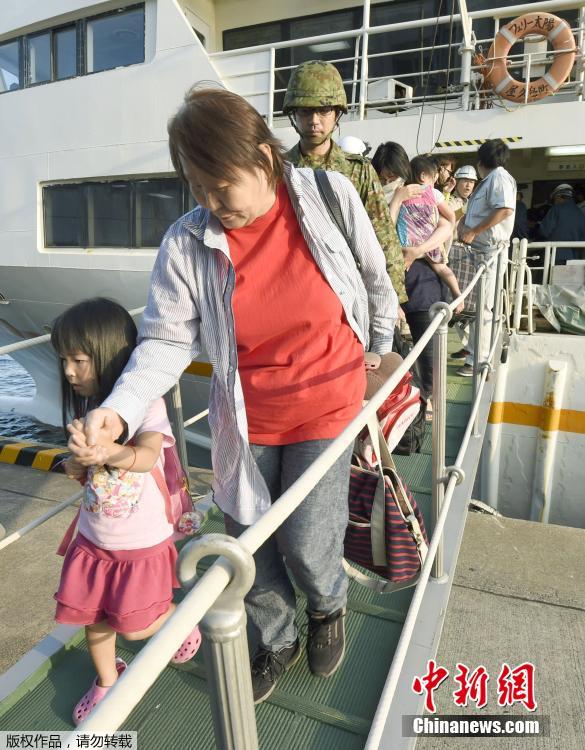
{"x":326,"y":642}
{"x":268,"y":666}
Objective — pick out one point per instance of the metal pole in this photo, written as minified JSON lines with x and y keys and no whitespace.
{"x":175,"y":409}
{"x":364,"y":76}
{"x":520,"y":285}
{"x":546,"y":268}
{"x":496,"y":308}
{"x":479,"y":315}
{"x":225,"y":644}
{"x":270,"y":118}
{"x":513,"y":268}
{"x":581,"y":44}
{"x":465,"y":78}
{"x":439,"y":423}
{"x":553,"y":260}
{"x":356,"y":62}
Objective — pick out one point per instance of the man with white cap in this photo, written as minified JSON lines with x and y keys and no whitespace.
{"x":565,"y":222}
{"x":465,"y":182}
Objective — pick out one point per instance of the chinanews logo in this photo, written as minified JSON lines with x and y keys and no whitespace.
{"x":514,"y":688}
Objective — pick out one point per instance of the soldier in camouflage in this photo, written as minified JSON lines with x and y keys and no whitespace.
{"x":315,"y":100}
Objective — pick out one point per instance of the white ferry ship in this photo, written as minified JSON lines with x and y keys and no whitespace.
{"x":87,"y":188}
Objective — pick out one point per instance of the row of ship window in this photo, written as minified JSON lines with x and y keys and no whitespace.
{"x":120,"y":214}
{"x":89,"y":45}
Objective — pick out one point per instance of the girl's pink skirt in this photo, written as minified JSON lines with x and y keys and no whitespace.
{"x":129,"y":589}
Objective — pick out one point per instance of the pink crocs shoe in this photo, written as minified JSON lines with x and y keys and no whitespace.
{"x":93,"y":696}
{"x":188,"y":648}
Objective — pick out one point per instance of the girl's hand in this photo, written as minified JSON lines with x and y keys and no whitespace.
{"x":86,"y":455}
{"x":73,"y":469}
{"x":460,"y":306}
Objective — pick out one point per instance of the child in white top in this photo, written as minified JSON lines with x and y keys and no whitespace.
{"x":119,"y":572}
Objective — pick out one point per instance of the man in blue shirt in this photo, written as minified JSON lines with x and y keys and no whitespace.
{"x":565,"y":222}
{"x":488,"y":226}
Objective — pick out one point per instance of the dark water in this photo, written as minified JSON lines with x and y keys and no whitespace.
{"x":16,"y":382}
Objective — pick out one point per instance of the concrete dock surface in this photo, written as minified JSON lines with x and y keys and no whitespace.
{"x":518,"y":596}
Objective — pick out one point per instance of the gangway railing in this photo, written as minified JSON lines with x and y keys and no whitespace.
{"x":521,"y":278}
{"x":244,"y":80}
{"x":216,"y":599}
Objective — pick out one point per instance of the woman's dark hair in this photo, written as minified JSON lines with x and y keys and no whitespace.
{"x":104,"y":331}
{"x":421,"y":164}
{"x":220,"y":133}
{"x":492,"y":154}
{"x":392,"y":156}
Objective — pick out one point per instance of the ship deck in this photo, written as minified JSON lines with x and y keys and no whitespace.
{"x":304,"y":712}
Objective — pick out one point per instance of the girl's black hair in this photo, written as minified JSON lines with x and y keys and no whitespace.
{"x":422,"y":164}
{"x":104,"y":331}
{"x":392,"y":156}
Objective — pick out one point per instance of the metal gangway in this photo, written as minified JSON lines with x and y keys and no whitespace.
{"x":216,"y":598}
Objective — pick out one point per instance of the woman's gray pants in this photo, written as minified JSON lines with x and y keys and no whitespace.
{"x":310,"y":541}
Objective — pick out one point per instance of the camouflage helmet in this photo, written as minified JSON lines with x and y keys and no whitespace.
{"x":315,"y":84}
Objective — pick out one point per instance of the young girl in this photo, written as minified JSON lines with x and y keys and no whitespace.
{"x":119,"y":572}
{"x":417,"y":219}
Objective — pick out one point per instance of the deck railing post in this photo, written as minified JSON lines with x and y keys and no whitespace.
{"x":477,"y":330}
{"x":364,"y":72}
{"x":520,"y":275}
{"x":225,"y":643}
{"x":175,"y":409}
{"x":439,"y":422}
{"x":496,"y":309}
{"x":270,"y":116}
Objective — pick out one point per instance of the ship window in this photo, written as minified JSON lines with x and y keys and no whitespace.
{"x":10,"y":66}
{"x":39,"y":58}
{"x":65,"y":222}
{"x":158,"y":204}
{"x":114,"y":40}
{"x":65,"y":51}
{"x":122,"y":213}
{"x":109,"y":215}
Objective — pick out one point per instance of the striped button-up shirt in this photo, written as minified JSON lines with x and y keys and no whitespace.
{"x":190,"y":306}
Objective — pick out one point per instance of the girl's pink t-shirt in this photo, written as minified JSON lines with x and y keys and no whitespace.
{"x":418,"y":219}
{"x":124,"y":510}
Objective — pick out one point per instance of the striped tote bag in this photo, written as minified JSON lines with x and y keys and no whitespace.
{"x":386,"y":532}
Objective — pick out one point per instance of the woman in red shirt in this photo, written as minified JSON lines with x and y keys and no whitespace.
{"x":261,"y":275}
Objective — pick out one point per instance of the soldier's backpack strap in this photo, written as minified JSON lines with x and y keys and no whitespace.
{"x":332,"y":205}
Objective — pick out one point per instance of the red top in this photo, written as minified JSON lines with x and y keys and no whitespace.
{"x":301,"y":365}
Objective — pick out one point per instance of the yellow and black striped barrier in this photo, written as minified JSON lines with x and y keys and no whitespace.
{"x":475,"y":142}
{"x":36,"y":455}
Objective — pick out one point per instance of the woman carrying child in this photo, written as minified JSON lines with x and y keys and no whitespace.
{"x":416,"y":220}
{"x":119,"y":572}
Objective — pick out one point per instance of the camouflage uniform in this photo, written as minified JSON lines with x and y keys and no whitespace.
{"x":318,"y":84}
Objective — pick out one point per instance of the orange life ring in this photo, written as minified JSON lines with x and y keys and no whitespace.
{"x":556,"y":31}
